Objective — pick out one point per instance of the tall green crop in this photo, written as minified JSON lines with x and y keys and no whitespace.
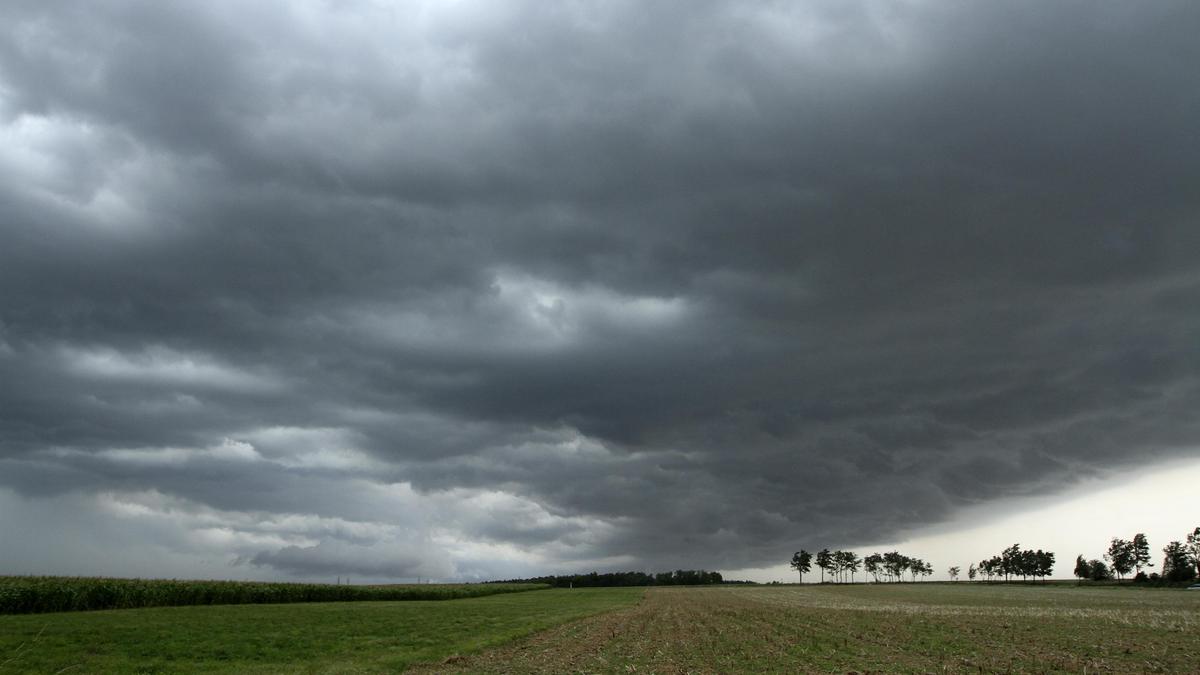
{"x":26,"y":595}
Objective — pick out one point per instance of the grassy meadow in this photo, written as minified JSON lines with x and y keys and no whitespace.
{"x":936,"y":627}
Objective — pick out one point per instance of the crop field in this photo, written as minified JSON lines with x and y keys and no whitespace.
{"x":27,"y":595}
{"x":335,"y":637}
{"x":965,"y":628}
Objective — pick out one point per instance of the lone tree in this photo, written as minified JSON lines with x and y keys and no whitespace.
{"x":802,"y":562}
{"x":954,"y":572}
{"x":972,"y":571}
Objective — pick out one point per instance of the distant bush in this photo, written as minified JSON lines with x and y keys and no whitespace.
{"x":29,"y":595}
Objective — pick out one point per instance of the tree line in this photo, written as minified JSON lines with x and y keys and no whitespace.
{"x":1180,"y":563}
{"x":1012,"y":561}
{"x":883,"y":567}
{"x":609,"y":579}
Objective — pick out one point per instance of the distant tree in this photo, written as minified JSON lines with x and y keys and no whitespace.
{"x":873,"y":565}
{"x":894,"y":564}
{"x":1010,"y":561}
{"x":1120,"y":556}
{"x":825,"y":562}
{"x":802,"y":562}
{"x":972,"y":571}
{"x":1099,"y":571}
{"x":851,"y":563}
{"x":1177,"y":563}
{"x":1083,"y":570}
{"x":844,"y":562}
{"x":996,"y":566}
{"x":1193,"y":548}
{"x":954,"y":572}
{"x":836,"y":560}
{"x":1027,"y":564}
{"x":1045,"y":563}
{"x":1141,"y":553}
{"x":917,"y":566}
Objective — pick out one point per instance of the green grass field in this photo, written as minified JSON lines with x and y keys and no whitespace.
{"x":341,"y":637}
{"x":961,"y":628}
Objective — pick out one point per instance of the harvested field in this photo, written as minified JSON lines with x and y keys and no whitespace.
{"x":869,"y":628}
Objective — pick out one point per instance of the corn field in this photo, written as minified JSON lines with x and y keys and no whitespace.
{"x":29,"y":595}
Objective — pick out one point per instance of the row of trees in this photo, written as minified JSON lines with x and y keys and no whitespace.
{"x":1181,"y":560}
{"x":1011,"y":562}
{"x":608,"y":579}
{"x":840,"y":564}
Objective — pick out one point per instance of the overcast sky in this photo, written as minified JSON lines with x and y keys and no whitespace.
{"x":486,"y":289}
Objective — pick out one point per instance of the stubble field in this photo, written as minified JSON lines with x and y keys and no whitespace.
{"x":860,"y":628}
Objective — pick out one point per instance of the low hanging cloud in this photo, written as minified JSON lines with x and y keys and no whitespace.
{"x":506,"y":288}
{"x":374,"y":561}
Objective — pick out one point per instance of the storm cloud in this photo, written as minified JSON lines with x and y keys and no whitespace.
{"x":479,"y":289}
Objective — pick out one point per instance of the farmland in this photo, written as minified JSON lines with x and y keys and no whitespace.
{"x":27,"y":595}
{"x":342,"y":637}
{"x":887,"y":627}
{"x":866,"y":628}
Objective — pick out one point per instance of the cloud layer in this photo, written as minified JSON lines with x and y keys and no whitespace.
{"x":461,"y":290}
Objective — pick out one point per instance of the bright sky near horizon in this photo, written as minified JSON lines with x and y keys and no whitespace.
{"x":1160,"y":502}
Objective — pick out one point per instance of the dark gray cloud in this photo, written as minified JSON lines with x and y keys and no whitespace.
{"x":502,"y":287}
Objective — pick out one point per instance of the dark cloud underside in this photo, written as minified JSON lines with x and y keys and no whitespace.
{"x":687,"y":283}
